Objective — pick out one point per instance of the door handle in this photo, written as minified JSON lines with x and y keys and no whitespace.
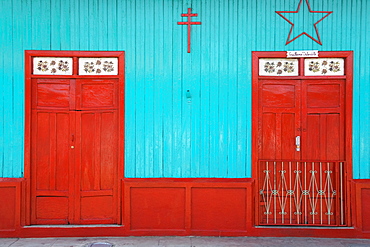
{"x":73,"y":139}
{"x":298,"y":143}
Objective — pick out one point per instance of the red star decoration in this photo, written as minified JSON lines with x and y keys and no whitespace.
{"x":318,"y":40}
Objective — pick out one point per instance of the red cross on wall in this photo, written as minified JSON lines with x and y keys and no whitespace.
{"x":189,"y":23}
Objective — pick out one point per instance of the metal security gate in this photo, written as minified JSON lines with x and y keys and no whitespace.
{"x":302,"y":138}
{"x":302,"y":193}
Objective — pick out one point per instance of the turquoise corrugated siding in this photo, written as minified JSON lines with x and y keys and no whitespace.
{"x":168,"y":135}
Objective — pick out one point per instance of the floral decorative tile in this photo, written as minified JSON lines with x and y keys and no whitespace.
{"x":52,"y":66}
{"x":278,"y":67}
{"x":323,"y":66}
{"x":98,"y":66}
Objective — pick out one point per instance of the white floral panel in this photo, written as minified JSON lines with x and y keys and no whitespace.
{"x":278,"y":67}
{"x":52,"y":66}
{"x":98,"y":66}
{"x":323,"y":66}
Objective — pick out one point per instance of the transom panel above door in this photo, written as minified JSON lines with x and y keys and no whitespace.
{"x":302,"y":138}
{"x":74,"y":136}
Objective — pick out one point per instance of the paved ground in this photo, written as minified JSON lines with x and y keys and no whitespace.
{"x":183,"y":242}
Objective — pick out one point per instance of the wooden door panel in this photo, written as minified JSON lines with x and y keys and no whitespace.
{"x":98,"y":209}
{"x":87,"y":156}
{"x":288,"y":134}
{"x":51,"y":154}
{"x":279,"y":120}
{"x":278,"y":94}
{"x":311,"y":139}
{"x":278,"y":136}
{"x":96,"y":94}
{"x":335,"y":137}
{"x":268,"y":130}
{"x":323,"y":95}
{"x":97,"y":171}
{"x":323,"y":139}
{"x":323,"y":109}
{"x":51,"y":94}
{"x":51,"y":160}
{"x":109,"y":149}
{"x":98,"y":150}
{"x":52,"y":210}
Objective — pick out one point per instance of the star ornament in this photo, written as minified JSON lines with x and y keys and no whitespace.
{"x":300,"y":16}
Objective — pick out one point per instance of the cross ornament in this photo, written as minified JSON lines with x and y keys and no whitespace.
{"x":189,"y":23}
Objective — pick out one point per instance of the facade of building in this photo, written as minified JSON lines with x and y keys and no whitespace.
{"x":184,"y":117}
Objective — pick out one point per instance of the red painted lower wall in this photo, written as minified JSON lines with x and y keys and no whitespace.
{"x":188,"y":206}
{"x":10,"y":205}
{"x":361,"y":209}
{"x":203,"y":207}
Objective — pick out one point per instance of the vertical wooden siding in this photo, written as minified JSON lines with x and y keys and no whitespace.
{"x":167,"y":134}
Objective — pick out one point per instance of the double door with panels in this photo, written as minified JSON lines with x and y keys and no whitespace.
{"x":301,"y":151}
{"x":74,"y":151}
{"x":302,"y":120}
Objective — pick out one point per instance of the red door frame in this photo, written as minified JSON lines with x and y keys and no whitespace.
{"x":348,"y":77}
{"x":29,"y":54}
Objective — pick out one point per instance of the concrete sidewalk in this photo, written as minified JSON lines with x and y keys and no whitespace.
{"x":183,"y":242}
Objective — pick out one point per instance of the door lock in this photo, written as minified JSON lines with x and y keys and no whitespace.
{"x":298,"y":143}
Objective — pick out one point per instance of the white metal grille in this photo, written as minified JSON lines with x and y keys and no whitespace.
{"x":302,"y":193}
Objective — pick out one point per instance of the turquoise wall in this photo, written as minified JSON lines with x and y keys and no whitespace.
{"x":168,"y":135}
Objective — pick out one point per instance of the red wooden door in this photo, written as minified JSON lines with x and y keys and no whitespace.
{"x":51,"y":158}
{"x":280,"y":119}
{"x":312,"y":110}
{"x":323,"y":117}
{"x":301,"y":150}
{"x":74,"y":171}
